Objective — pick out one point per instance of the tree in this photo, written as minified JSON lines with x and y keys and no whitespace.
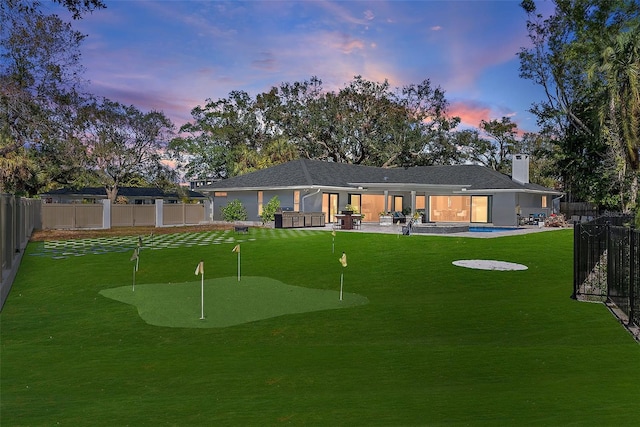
{"x":39,"y":75}
{"x":219,"y":137}
{"x":365,"y":123}
{"x":39,"y":78}
{"x":504,"y":143}
{"x":494,"y":153}
{"x":616,"y":73}
{"x":565,"y":47}
{"x":123,"y":143}
{"x":16,"y":167}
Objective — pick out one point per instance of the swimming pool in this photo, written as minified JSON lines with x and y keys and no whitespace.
{"x":490,"y":229}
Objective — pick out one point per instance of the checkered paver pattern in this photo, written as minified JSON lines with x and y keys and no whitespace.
{"x":60,"y":249}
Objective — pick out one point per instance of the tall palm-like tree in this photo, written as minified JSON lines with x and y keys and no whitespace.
{"x":619,"y":70}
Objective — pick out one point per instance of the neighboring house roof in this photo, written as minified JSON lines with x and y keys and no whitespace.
{"x":316,"y":173}
{"x":129,"y":192}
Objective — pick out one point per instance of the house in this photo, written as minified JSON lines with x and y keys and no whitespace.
{"x":449,"y":194}
{"x":129,"y":195}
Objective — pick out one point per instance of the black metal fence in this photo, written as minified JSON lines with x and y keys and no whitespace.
{"x":606,"y":264}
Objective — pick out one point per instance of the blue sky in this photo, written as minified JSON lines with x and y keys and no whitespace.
{"x":173,"y":55}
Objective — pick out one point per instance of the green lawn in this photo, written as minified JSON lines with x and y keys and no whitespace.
{"x":416,"y":341}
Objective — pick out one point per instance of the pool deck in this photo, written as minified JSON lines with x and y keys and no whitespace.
{"x":444,"y":229}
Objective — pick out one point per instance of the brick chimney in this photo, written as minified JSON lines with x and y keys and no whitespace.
{"x":520,"y":168}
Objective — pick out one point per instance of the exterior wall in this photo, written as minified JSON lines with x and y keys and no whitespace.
{"x":504,"y":210}
{"x":249,"y":200}
{"x":311,"y":201}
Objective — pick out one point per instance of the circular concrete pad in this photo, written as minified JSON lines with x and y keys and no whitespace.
{"x":486,"y":264}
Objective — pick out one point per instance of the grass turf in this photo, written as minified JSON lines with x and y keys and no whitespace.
{"x":227,"y":301}
{"x":436,"y":344}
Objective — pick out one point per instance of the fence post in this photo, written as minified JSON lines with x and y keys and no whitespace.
{"x":159,"y":212}
{"x":576,"y":259}
{"x":632,"y":273}
{"x":106,"y":214}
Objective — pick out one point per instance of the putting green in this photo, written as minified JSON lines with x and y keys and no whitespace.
{"x":227,"y":302}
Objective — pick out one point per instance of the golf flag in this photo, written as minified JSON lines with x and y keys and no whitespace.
{"x":136,"y":257}
{"x":333,"y":233}
{"x":237,"y":250}
{"x":343,"y":259}
{"x":200,"y":271}
{"x":200,"y":268}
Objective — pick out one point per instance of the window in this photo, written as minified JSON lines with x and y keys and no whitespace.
{"x":544,"y":201}
{"x":397,"y":203}
{"x":420,"y":202}
{"x":480,"y":209}
{"x":220,"y":194}
{"x":330,"y":206}
{"x":260,"y":198}
{"x":354,"y":200}
{"x":449,"y":208}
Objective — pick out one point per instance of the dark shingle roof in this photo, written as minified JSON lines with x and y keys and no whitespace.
{"x":304,"y":172}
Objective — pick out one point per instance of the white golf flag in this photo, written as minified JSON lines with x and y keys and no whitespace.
{"x":236,"y":249}
{"x":200,"y":268}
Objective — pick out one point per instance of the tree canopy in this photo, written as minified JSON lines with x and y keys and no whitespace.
{"x":366,"y":123}
{"x":51,"y":132}
{"x":585,"y":56}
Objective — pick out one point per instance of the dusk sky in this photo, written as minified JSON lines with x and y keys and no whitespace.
{"x":174,"y":55}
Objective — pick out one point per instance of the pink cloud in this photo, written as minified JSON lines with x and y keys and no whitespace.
{"x":470,"y":113}
{"x":343,"y":42}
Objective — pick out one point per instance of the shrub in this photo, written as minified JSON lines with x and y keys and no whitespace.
{"x":234,"y":211}
{"x":269,"y":210}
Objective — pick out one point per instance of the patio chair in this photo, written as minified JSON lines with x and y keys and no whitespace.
{"x":398,"y":217}
{"x":357,"y":223}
